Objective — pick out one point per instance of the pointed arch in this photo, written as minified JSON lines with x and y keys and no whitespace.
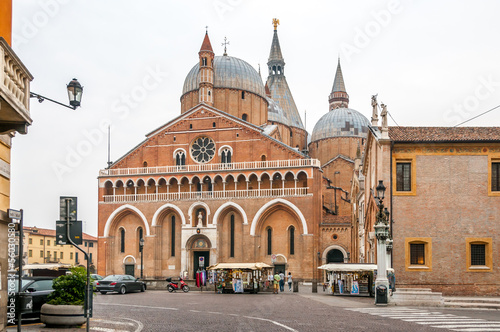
{"x":228,"y":204}
{"x":194,"y":205}
{"x":164,"y":207}
{"x":121,"y":209}
{"x":271,"y":203}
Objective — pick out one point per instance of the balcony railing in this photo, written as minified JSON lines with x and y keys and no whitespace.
{"x":207,"y":195}
{"x":212,"y":167}
{"x":15,"y":90}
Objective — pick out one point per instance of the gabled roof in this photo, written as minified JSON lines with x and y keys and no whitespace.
{"x":444,"y":134}
{"x":186,"y":114}
{"x":340,"y":156}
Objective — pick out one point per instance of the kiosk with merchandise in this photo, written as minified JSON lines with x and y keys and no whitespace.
{"x":355,"y":279}
{"x":239,"y":277}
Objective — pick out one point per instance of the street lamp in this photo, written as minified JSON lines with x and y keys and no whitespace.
{"x":141,"y":249}
{"x":382,"y":234}
{"x":75,"y":91}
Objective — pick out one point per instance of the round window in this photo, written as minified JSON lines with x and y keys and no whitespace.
{"x":203,"y":149}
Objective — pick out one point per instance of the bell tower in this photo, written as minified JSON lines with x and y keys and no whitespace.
{"x":206,"y":83}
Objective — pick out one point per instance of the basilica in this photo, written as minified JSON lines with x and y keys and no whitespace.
{"x":235,"y":177}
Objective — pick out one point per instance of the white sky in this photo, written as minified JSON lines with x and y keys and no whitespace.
{"x":433,"y":63}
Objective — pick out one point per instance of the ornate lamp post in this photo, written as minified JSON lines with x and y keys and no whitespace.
{"x":141,"y":249}
{"x":382,"y":234}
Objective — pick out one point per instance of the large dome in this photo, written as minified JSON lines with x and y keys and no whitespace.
{"x":229,"y":72}
{"x":340,"y":122}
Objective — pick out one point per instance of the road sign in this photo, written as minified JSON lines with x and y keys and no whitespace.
{"x":14,"y":214}
{"x":75,"y":232}
{"x":273,"y":258}
{"x":72,"y":208}
{"x":201,"y":261}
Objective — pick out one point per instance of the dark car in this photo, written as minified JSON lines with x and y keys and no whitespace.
{"x":95,"y":279}
{"x":34,"y":293}
{"x":121,"y":283}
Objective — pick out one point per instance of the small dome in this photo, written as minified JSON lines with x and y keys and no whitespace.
{"x":229,"y":72}
{"x":340,"y":122}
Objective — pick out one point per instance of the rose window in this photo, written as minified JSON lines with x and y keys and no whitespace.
{"x":203,"y":149}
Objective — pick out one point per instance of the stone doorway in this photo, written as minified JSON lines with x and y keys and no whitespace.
{"x":197,"y":264}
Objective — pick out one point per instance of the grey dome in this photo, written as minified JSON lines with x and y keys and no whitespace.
{"x":340,"y":122}
{"x":229,"y":72}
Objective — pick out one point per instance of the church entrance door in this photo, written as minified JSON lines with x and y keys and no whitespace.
{"x":130,"y":269}
{"x":203,"y":263}
{"x":278,"y":268}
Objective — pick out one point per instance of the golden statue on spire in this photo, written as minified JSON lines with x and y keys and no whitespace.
{"x":276,"y":22}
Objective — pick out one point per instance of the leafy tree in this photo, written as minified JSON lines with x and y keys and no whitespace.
{"x":69,"y":288}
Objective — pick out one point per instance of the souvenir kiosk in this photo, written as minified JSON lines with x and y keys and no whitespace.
{"x":349,"y":278}
{"x":239,"y":277}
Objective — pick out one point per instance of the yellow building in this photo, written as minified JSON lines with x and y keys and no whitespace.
{"x":14,"y":117}
{"x":40,"y":248}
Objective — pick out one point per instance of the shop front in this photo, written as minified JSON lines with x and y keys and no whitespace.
{"x":350,"y":279}
{"x":239,"y":277}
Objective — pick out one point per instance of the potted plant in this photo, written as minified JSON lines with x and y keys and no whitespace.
{"x":66,"y":302}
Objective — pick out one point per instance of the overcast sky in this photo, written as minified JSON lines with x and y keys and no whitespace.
{"x":434,"y":63}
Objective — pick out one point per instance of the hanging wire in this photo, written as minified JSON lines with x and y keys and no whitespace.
{"x":477,"y":116}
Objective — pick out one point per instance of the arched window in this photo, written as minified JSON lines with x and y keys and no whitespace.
{"x":172,"y":237}
{"x":145,"y":164}
{"x":226,"y":156}
{"x":244,"y":117}
{"x":180,"y":158}
{"x":292,"y":240}
{"x":269,"y":241}
{"x":203,"y":61}
{"x":122,"y":240}
{"x":232,"y":236}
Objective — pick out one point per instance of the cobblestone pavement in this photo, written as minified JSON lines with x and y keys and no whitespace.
{"x":194,"y":311}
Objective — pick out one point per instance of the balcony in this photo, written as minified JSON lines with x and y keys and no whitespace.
{"x":248,"y":165}
{"x":208,"y":195}
{"x":14,"y":91}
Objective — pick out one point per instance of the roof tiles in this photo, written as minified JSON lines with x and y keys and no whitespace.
{"x":444,"y":134}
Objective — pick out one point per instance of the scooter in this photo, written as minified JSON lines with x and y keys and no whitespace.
{"x":172,"y":285}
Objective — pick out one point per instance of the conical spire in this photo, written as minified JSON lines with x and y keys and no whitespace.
{"x":206,"y":46}
{"x":275,"y":54}
{"x":338,"y":83}
{"x":338,"y":96}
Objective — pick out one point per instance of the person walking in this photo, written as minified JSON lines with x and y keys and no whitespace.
{"x":276,"y":281}
{"x":282,"y":281}
{"x":289,"y":281}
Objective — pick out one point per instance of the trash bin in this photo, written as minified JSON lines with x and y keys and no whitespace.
{"x":295,"y":286}
{"x":381,"y":294}
{"x":25,"y":303}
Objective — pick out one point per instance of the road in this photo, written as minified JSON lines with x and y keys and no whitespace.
{"x":195,"y":311}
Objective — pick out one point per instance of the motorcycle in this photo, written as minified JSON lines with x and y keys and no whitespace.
{"x":172,"y":285}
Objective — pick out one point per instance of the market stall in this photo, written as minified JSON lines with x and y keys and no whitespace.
{"x":350,"y":279}
{"x":239,"y":277}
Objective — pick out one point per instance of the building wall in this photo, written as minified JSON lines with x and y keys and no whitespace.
{"x":4,"y":221}
{"x":451,"y":204}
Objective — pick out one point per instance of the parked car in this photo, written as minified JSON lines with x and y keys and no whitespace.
{"x":34,"y":293}
{"x":121,"y":283}
{"x":95,"y":279}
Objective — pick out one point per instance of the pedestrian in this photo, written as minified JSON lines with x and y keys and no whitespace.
{"x":276,"y":282}
{"x":290,"y":281}
{"x":282,"y":281}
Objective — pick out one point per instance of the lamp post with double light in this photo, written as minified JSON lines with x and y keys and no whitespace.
{"x":141,"y":249}
{"x":382,"y":234}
